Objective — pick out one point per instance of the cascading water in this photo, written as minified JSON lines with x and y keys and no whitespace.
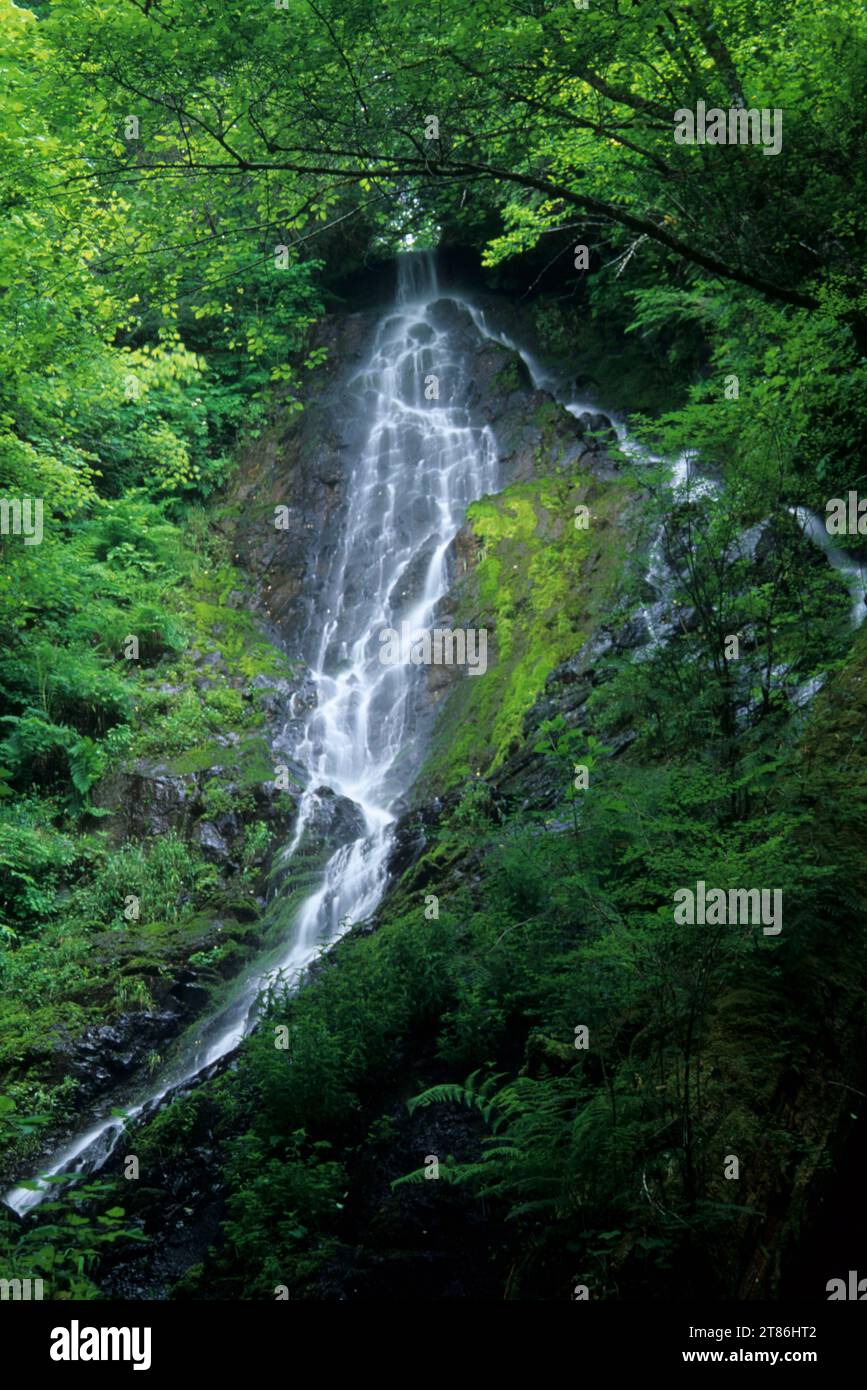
{"x":424,"y":460}
{"x":851,"y":567}
{"x":685,"y":480}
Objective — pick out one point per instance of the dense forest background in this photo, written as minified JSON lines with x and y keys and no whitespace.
{"x":191,"y":189}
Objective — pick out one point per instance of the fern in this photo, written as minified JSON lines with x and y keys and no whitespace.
{"x":527,"y":1158}
{"x":449,"y":1174}
{"x":472,"y":1095}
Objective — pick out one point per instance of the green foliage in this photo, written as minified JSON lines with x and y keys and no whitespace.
{"x":600,"y":1163}
{"x":148,"y":315}
{"x":165,"y":874}
{"x":474,"y":1094}
{"x":63,"y":1244}
{"x":33,"y":858}
{"x":284,"y":1210}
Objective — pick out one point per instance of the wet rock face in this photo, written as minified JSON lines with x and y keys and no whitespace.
{"x":155,"y":796}
{"x":409,"y":588}
{"x":152,"y":799}
{"x":448,"y":316}
{"x":598,"y":426}
{"x":303,"y":462}
{"x":412,"y":836}
{"x":334,"y":821}
{"x":216,"y":846}
{"x":108,"y":1054}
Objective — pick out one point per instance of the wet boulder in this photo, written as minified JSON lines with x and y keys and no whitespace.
{"x":332,"y":821}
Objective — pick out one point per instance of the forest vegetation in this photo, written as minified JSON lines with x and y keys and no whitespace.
{"x":190,"y":190}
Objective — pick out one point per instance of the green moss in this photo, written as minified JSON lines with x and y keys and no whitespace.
{"x":236,"y":636}
{"x":509,"y":379}
{"x":539,"y":588}
{"x":244,"y":763}
{"x":548,"y":415}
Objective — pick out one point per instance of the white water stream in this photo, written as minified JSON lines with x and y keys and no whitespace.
{"x":422,"y":463}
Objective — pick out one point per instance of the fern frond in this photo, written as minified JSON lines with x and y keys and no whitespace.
{"x":529,"y":1208}
{"x":450,"y":1174}
{"x":437,"y":1095}
{"x":472,"y":1095}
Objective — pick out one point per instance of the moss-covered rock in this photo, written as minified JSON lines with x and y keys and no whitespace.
{"x":539,"y":584}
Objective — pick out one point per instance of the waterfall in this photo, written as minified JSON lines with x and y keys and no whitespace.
{"x":423,"y":461}
{"x":851,"y":567}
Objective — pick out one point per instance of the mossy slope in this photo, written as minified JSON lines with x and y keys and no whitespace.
{"x":540,"y":585}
